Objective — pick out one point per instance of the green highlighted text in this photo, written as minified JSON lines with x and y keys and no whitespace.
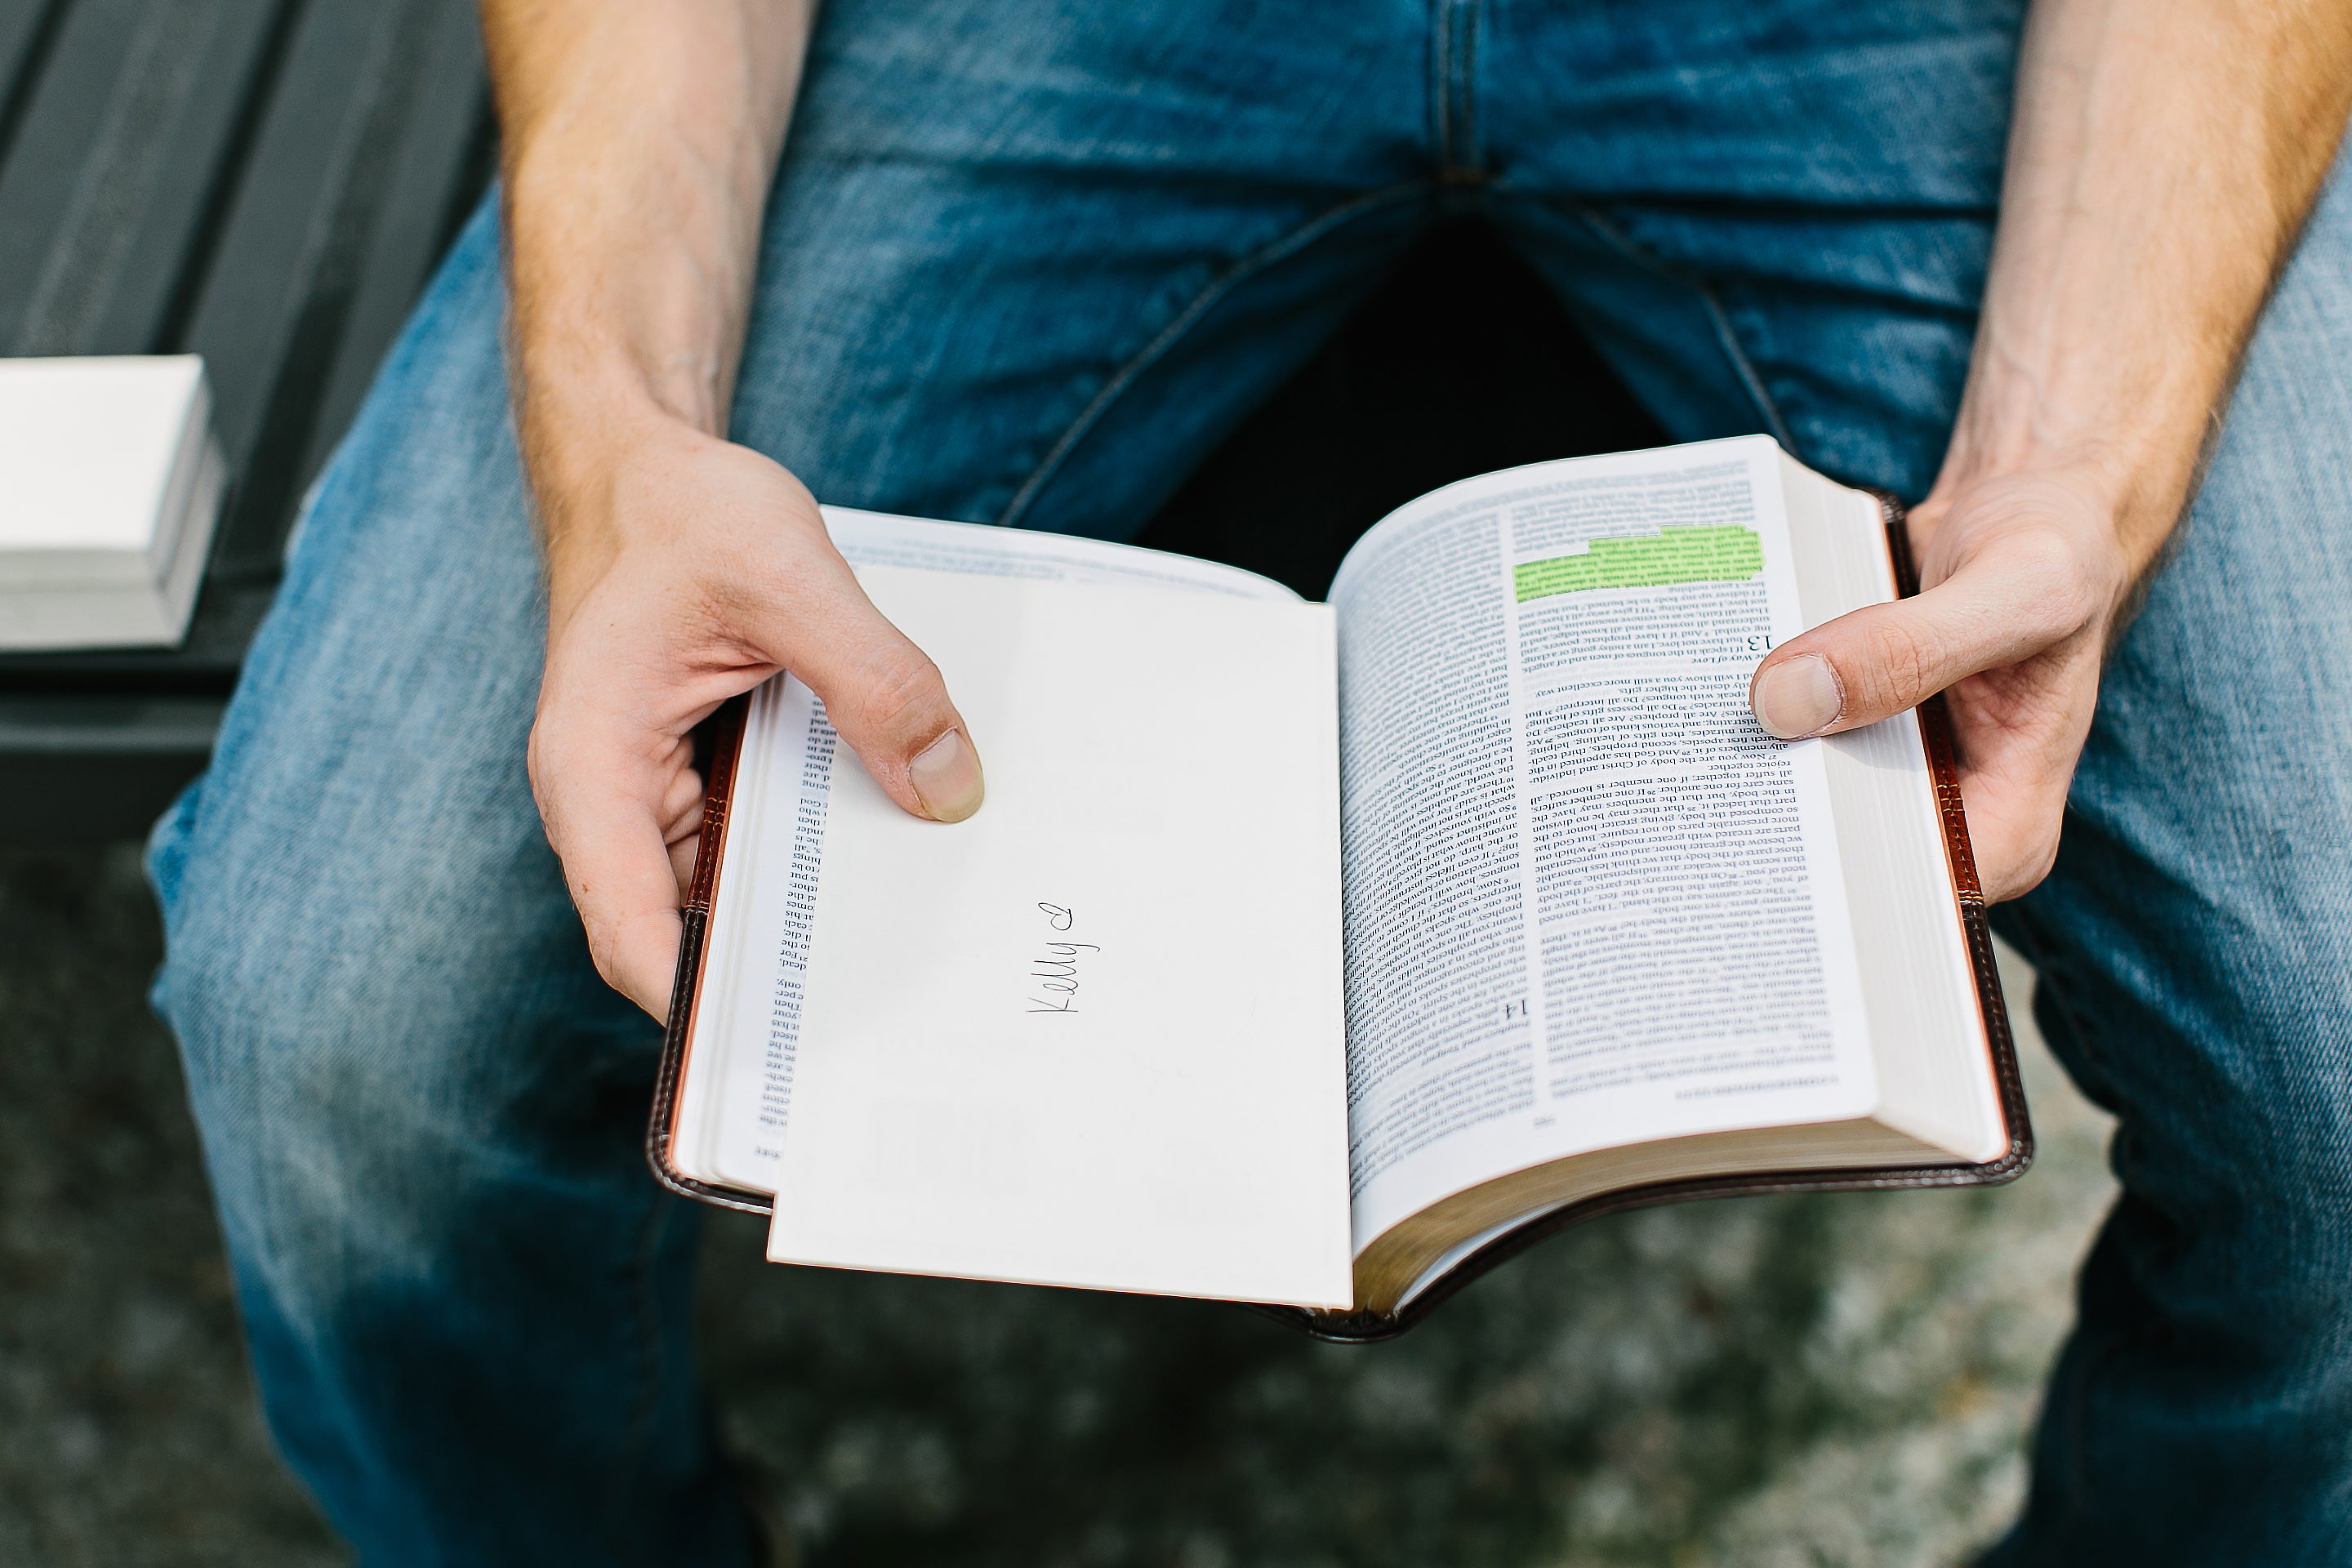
{"x":1729,"y":554}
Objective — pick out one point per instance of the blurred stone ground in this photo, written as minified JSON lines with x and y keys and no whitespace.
{"x":1820,"y":1382}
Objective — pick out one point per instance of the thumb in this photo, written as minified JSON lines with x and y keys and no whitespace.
{"x":890,"y":703}
{"x":1876,"y":661}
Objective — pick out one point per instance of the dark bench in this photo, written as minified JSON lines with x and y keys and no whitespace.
{"x":268,"y":182}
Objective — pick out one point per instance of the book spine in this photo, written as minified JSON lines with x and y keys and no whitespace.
{"x":718,"y":796}
{"x":726,"y":733}
{"x":1943,"y":766}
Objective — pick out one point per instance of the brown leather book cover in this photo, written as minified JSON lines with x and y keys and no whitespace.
{"x":686,"y":990}
{"x":1936,"y":730}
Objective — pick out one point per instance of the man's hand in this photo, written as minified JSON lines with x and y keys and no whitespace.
{"x":639,"y":141}
{"x":708,"y":572}
{"x":2164,"y":154}
{"x":2021,"y":584}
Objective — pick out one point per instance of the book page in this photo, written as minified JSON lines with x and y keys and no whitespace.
{"x":737,"y":1093}
{"x":1093,"y":1036}
{"x":1928,"y":1033}
{"x":1590,"y":901}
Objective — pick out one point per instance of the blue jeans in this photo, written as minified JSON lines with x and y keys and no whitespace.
{"x":1027,"y":264}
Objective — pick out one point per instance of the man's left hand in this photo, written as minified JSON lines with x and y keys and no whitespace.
{"x":2023,"y":580}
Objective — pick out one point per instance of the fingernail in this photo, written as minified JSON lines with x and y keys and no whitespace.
{"x":946,"y":775}
{"x":1799,"y":697}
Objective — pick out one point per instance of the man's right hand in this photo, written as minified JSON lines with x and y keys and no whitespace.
{"x":639,"y":141}
{"x":691,"y":571}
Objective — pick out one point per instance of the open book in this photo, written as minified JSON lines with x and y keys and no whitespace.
{"x":1320,"y":956}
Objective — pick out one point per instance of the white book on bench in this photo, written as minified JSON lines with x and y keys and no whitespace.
{"x":110,"y":484}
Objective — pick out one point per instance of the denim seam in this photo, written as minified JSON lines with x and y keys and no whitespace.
{"x":1186,"y":320}
{"x":1727,"y":336}
{"x":1453,"y":62}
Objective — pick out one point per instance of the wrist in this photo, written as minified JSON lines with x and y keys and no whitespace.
{"x":2133,"y":471}
{"x":607,"y":387}
{"x":593,"y":456}
{"x":644,"y":337}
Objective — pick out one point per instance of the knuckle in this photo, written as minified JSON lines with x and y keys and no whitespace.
{"x":2029,"y":873}
{"x":605,"y":949}
{"x":2060,"y":592}
{"x":903,"y":688}
{"x":2067,"y":605}
{"x":1897,"y":665}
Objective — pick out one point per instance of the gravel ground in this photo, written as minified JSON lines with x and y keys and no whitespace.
{"x":1829,"y":1381}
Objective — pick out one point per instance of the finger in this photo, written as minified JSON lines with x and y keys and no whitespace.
{"x":600,"y":798}
{"x":2020,"y":731}
{"x":2014,"y":833}
{"x":682,"y":834}
{"x":1879,"y":660}
{"x":888,"y":700}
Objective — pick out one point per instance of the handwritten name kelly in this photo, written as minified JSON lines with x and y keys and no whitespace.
{"x":1056,"y":972}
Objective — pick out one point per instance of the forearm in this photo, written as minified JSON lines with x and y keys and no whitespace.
{"x":682,"y":569}
{"x":2163,"y":157}
{"x":639,"y":144}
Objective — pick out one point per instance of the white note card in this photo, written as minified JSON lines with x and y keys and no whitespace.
{"x":1094,"y":1035}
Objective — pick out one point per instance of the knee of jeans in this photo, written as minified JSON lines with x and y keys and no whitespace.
{"x":331,"y":1159}
{"x":2237,"y":1220}
{"x":327,"y":1068}
{"x":2198,"y":984}
{"x":167,"y":846}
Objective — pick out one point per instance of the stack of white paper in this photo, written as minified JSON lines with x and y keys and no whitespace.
{"x":109,"y":486}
